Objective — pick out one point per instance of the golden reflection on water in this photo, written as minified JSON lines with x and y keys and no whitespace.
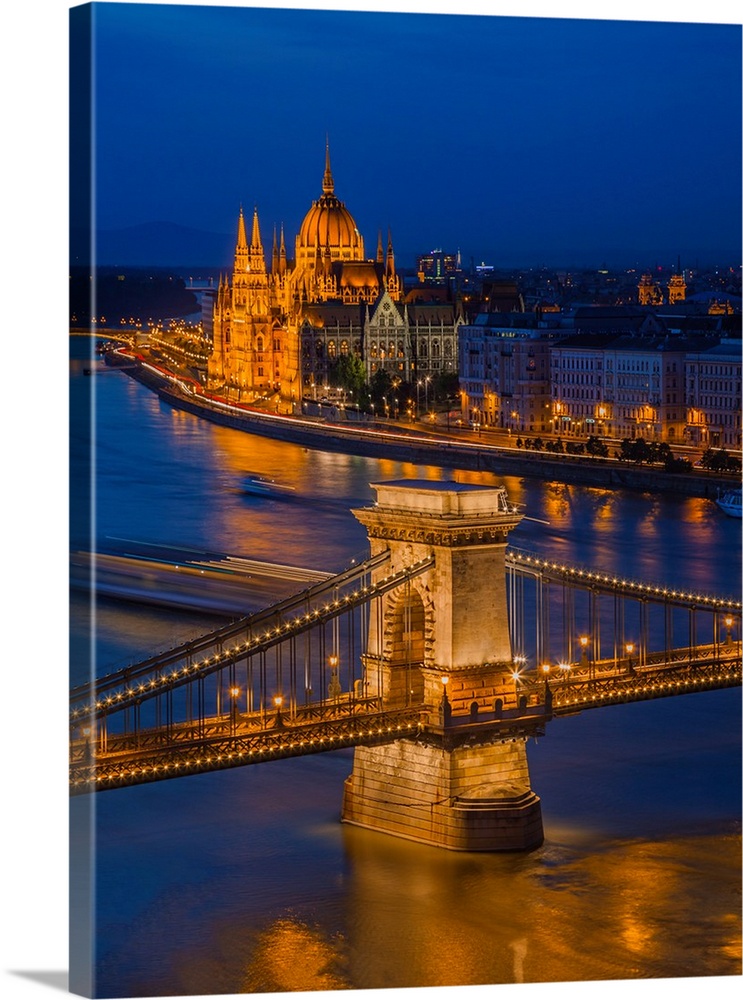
{"x":290,"y":955}
{"x":422,"y":917}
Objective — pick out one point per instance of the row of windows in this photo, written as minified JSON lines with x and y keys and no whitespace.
{"x":717,"y":386}
{"x":715,"y":369}
{"x":713,"y":402}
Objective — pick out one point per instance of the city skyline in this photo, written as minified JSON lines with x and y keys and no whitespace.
{"x":519,"y":141}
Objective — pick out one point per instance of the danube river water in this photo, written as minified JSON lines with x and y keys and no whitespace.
{"x":245,"y":881}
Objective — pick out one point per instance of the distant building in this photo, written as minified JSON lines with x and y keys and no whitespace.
{"x":659,"y":388}
{"x":713,"y":395}
{"x":504,"y":374}
{"x":649,"y":292}
{"x":437,"y":267}
{"x":676,"y":289}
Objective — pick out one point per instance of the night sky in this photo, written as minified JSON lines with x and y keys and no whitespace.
{"x":515,"y":140}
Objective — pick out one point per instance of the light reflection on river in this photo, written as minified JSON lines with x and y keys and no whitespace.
{"x":246,"y":881}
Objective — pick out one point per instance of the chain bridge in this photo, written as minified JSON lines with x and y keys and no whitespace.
{"x":437,"y":658}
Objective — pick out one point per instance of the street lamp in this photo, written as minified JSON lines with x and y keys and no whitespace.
{"x":728,"y":630}
{"x":334,"y":687}
{"x":278,"y":702}
{"x":629,"y":649}
{"x":235,"y":693}
{"x":445,"y":706}
{"x":547,"y":689}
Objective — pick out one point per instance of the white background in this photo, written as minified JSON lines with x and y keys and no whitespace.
{"x":33,"y":655}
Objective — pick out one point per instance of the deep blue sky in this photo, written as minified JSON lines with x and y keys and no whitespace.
{"x":515,"y":139}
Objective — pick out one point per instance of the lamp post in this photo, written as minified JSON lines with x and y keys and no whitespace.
{"x":235,"y":694}
{"x":518,"y":664}
{"x":547,"y":689}
{"x":729,"y":630}
{"x":445,"y":706}
{"x":584,"y":661}
{"x":334,"y":687}
{"x":629,"y":649}
{"x":278,"y":702}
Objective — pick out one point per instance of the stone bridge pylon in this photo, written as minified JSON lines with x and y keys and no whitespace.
{"x":441,"y":640}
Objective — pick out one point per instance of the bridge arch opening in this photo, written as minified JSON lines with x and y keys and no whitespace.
{"x":405,"y":646}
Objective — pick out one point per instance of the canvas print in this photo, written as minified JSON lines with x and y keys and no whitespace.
{"x":405,"y":539}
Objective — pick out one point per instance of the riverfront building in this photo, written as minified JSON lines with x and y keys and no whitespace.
{"x":504,"y":375}
{"x":279,"y":331}
{"x":677,"y":389}
{"x":620,"y":387}
{"x":712,"y":386}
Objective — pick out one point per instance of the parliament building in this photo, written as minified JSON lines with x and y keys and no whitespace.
{"x":278,"y":331}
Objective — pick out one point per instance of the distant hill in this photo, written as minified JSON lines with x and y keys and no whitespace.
{"x":156,"y":244}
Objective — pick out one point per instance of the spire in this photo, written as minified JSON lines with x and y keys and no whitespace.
{"x":380,"y":249}
{"x":327,"y":181}
{"x":242,"y":240}
{"x":255,"y":239}
{"x":390,"y":254}
{"x":282,"y":252}
{"x":274,"y":254}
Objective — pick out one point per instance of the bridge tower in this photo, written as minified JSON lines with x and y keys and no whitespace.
{"x":441,"y":640}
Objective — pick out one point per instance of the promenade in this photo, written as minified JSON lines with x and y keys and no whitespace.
{"x":397,"y":440}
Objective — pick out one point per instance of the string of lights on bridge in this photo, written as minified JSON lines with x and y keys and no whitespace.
{"x":254,"y":644}
{"x":564,"y":698}
{"x":517,"y":557}
{"x":284,"y":744}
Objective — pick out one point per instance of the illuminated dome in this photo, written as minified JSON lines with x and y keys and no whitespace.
{"x":328,"y":225}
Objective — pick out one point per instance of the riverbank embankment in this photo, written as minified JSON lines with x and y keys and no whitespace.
{"x":428,"y":449}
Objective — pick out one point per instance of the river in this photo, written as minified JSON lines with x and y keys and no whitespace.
{"x":245,"y":881}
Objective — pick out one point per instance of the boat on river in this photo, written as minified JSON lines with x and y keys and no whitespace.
{"x":262,"y":487}
{"x":730,"y":503}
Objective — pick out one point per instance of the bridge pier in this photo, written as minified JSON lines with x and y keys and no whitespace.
{"x":442,"y":641}
{"x":467,"y":798}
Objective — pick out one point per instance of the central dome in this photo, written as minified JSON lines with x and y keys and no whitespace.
{"x":328,"y":226}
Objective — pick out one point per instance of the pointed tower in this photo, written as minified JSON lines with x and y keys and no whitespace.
{"x":241,"y":266}
{"x":390,"y":262}
{"x":282,"y":253}
{"x":327,"y":181}
{"x":274,"y":254}
{"x":256,"y":260}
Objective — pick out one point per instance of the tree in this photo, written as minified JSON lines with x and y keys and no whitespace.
{"x":349,"y":372}
{"x":719,"y":460}
{"x":595,"y":446}
{"x":380,"y":387}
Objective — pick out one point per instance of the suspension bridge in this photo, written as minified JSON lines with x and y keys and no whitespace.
{"x":437,"y":658}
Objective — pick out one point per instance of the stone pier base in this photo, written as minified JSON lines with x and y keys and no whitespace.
{"x":469,"y":798}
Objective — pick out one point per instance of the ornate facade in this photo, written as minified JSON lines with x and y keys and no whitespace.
{"x":266,"y":320}
{"x":278,"y":331}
